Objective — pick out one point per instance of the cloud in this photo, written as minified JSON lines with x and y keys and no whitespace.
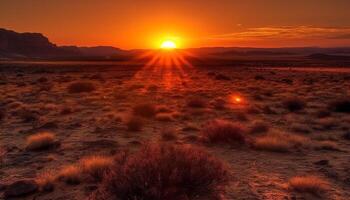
{"x":286,"y":32}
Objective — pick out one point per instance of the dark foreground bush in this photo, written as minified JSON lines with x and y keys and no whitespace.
{"x":161,"y":172}
{"x":342,"y":105}
{"x":294,"y":104}
{"x":79,"y":87}
{"x":222,"y":131}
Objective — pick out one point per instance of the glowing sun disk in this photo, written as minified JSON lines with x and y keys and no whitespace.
{"x":168,"y":44}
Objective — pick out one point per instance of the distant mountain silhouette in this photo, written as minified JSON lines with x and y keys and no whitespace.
{"x":15,"y":45}
{"x":321,"y":56}
{"x":22,"y":46}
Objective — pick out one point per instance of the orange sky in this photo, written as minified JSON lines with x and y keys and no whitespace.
{"x":194,"y":23}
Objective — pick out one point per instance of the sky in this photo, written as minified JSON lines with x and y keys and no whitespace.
{"x":131,"y":24}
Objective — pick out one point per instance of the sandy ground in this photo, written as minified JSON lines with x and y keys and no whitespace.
{"x":93,"y":123}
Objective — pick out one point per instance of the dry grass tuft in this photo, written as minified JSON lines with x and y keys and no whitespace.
{"x":294,"y":104}
{"x":144,"y":110}
{"x":134,"y":123}
{"x":46,"y":181}
{"x":222,"y":131}
{"x":309,"y":184}
{"x":70,"y":174}
{"x":269,"y":143}
{"x":96,"y":166}
{"x":80,"y":87}
{"x":40,"y":141}
{"x":164,"y":172}
{"x":278,"y":142}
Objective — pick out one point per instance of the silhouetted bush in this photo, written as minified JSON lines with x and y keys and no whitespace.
{"x":79,"y":87}
{"x":134,"y":123}
{"x":96,"y":166}
{"x":161,"y":172}
{"x":294,"y":104}
{"x":70,"y":174}
{"x":222,"y":131}
{"x":342,"y":105}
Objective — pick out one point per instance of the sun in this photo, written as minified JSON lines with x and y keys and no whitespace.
{"x":168,"y":44}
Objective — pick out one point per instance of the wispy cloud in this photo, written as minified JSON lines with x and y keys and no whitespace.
{"x":286,"y":32}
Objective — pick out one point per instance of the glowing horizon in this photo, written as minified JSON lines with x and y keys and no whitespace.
{"x":140,"y":24}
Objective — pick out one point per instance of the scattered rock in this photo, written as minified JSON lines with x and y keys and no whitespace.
{"x":20,"y":188}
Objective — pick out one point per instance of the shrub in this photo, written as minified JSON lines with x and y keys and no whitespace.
{"x":96,"y":166}
{"x":342,"y":105}
{"x":294,"y":104}
{"x":278,"y":142}
{"x":196,"y":103}
{"x":259,"y":127}
{"x":70,"y":174}
{"x":79,"y":87}
{"x":144,"y":110}
{"x":134,"y":123}
{"x":41,"y":141}
{"x":163,"y":172}
{"x":309,"y":184}
{"x":222,"y":131}
{"x":269,"y":143}
{"x":46,"y":181}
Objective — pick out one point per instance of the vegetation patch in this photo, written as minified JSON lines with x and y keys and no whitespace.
{"x":163,"y":172}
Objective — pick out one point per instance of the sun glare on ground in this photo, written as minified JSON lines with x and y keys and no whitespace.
{"x":168,"y":44}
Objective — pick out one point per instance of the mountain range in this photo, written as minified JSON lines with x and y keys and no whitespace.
{"x":23,"y":46}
